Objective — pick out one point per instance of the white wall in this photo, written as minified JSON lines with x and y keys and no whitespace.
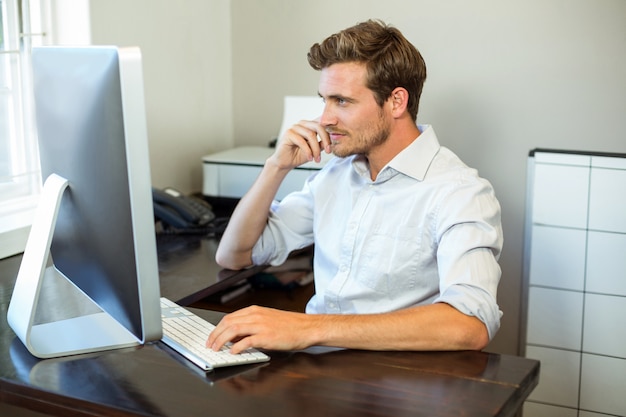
{"x":187,"y":76}
{"x":68,"y":22}
{"x":504,"y":77}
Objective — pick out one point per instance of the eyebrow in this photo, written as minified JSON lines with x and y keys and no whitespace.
{"x":336,"y":97}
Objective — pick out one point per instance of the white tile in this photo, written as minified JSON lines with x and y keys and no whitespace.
{"x":562,"y":158}
{"x":585,"y":414}
{"x":602,"y":385}
{"x":557,"y":257}
{"x":607,"y":200}
{"x":558,"y":378}
{"x":606,"y":263}
{"x":555,"y":318}
{"x":543,"y":410}
{"x":560,"y":195}
{"x":604,"y":331}
{"x":608,"y":162}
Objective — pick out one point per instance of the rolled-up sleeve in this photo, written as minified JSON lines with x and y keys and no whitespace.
{"x":470,"y":243}
{"x":289,"y":227}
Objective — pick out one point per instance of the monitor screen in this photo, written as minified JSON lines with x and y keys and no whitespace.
{"x":92,"y":134}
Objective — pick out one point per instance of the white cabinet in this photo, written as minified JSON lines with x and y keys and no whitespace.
{"x":575,"y":281}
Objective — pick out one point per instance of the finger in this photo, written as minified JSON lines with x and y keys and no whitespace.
{"x":211,"y":341}
{"x":323,"y":136}
{"x":232,"y":334}
{"x":306,"y":140}
{"x":295,"y":149}
{"x":216,"y":338}
{"x":232,"y":328}
{"x":315,"y":136}
{"x":242,"y":345}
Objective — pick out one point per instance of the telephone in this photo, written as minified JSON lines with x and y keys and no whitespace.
{"x":180,"y":212}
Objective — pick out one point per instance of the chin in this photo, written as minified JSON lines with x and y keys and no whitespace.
{"x":340,"y":154}
{"x":337,"y":151}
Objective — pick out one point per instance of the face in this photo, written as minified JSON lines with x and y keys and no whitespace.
{"x":355,"y":122}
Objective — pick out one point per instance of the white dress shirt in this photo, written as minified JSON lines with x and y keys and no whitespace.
{"x":426,"y":230}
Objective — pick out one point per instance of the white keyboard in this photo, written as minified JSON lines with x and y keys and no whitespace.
{"x":187,"y":334}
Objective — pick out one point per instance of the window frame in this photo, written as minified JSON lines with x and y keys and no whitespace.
{"x":19,"y":192}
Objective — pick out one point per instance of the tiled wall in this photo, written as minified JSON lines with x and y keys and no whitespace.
{"x":575,"y":267}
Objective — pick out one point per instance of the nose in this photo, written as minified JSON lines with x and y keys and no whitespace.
{"x":328,"y":118}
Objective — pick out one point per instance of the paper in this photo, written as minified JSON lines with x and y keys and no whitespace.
{"x":298,"y":108}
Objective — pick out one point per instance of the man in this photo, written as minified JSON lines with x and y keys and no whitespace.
{"x":406,"y":236}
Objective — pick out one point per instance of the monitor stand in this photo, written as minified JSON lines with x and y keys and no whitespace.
{"x":68,"y":322}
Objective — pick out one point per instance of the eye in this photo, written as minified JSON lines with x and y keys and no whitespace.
{"x":342,"y":101}
{"x":337,"y":100}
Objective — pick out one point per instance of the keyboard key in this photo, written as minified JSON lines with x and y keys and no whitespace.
{"x":187,"y":333}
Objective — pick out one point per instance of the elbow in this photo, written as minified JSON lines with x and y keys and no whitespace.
{"x":227,"y":260}
{"x":222,"y":261}
{"x":467,"y":333}
{"x":462,"y":331}
{"x":467,"y":341}
{"x":479,"y":341}
{"x":476,"y":337}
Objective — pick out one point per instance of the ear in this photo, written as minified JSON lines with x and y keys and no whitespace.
{"x":399,"y":100}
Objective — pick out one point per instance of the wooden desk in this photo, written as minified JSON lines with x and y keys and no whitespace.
{"x":188,"y":271}
{"x":154,"y":381}
{"x":189,"y":274}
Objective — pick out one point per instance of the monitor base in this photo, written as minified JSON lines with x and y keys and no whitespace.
{"x":78,"y":325}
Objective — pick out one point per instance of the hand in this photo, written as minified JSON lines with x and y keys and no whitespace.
{"x":300,"y":144}
{"x":264,"y":328}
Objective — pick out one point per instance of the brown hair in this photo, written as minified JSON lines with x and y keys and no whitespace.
{"x":391,"y":60}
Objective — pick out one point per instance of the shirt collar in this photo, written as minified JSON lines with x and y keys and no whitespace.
{"x":415,"y":159}
{"x":412,"y":161}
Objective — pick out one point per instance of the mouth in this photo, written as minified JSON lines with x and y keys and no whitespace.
{"x":335,"y":137}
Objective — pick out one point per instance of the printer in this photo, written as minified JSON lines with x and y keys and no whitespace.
{"x":230,"y":173}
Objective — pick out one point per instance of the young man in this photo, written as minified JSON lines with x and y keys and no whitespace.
{"x":406,"y":236}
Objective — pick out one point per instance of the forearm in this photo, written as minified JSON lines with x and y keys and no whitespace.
{"x":249,"y":219}
{"x":297,"y":146}
{"x":433,"y":327}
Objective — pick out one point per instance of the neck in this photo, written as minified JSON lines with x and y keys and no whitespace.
{"x":397,"y":141}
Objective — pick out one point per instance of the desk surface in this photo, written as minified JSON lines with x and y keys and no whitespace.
{"x":188,"y":271}
{"x":152,"y":380}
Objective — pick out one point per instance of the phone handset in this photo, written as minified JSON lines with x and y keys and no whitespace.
{"x":179,"y":211}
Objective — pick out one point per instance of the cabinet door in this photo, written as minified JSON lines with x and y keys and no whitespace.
{"x":576,"y":268}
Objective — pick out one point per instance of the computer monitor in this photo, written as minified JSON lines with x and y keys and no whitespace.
{"x":95,"y":216}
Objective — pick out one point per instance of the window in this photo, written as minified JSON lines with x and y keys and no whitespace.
{"x":20,"y":182}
